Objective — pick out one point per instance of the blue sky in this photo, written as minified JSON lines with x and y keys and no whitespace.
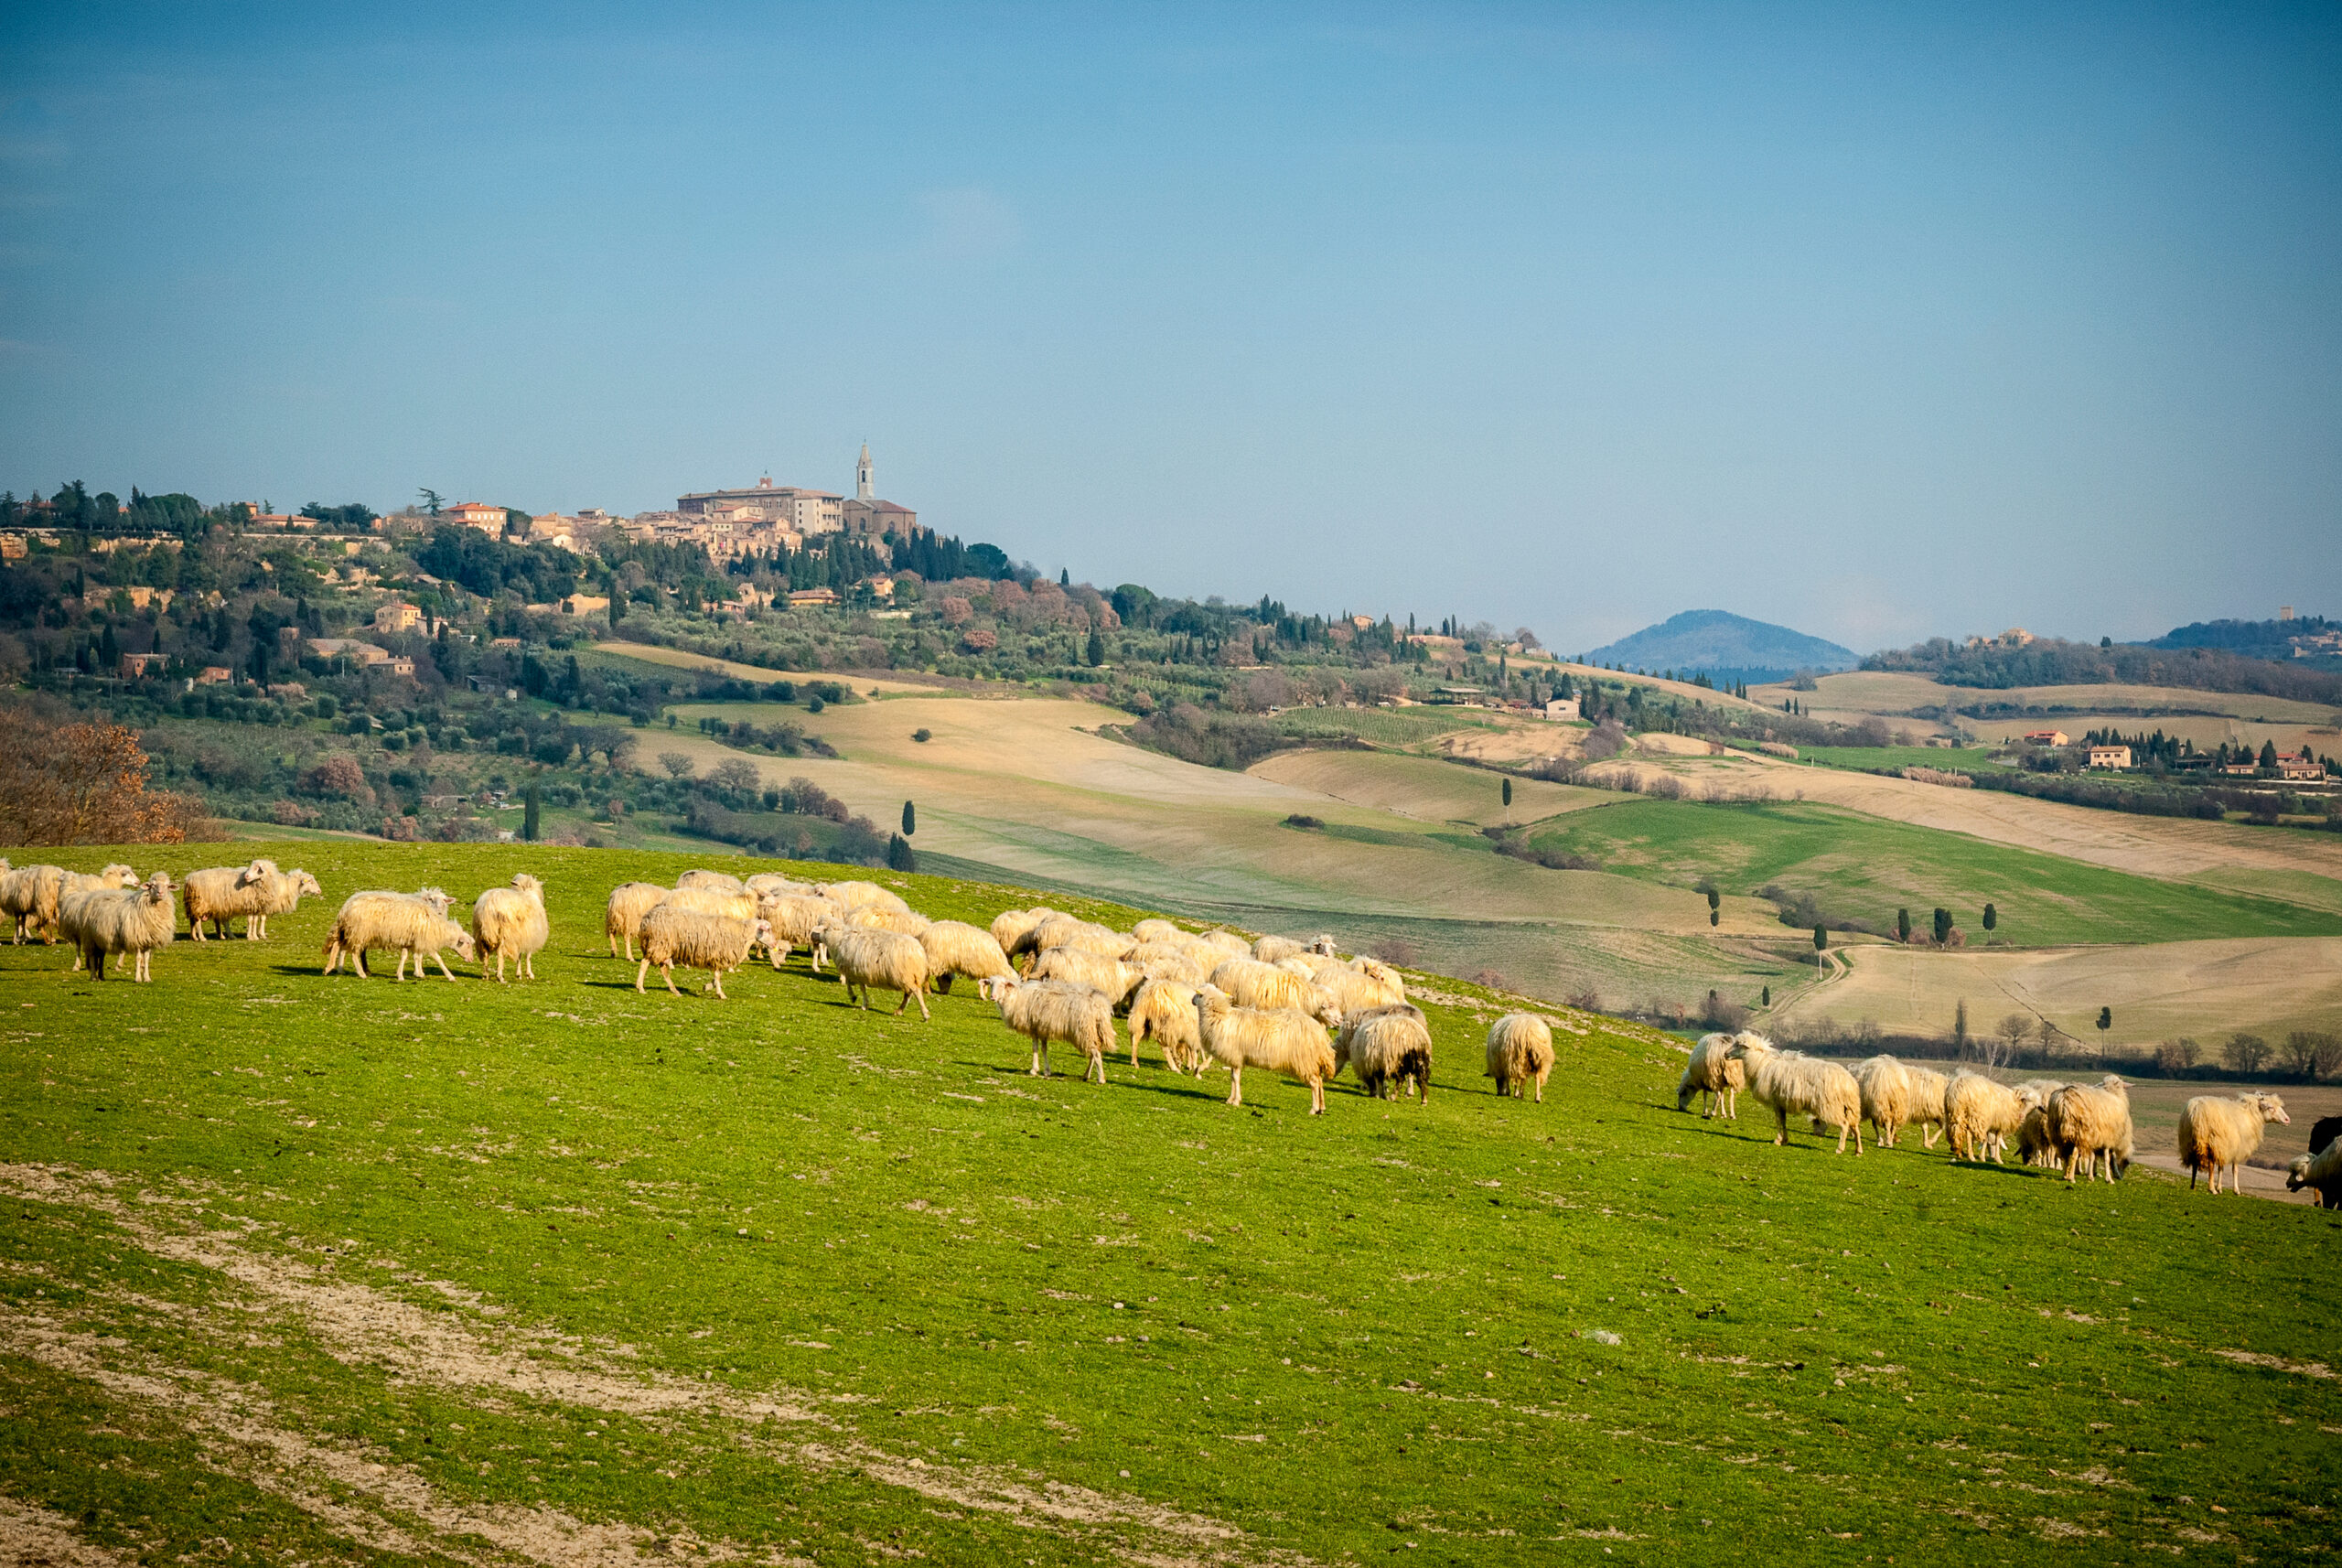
{"x":1881,"y":322}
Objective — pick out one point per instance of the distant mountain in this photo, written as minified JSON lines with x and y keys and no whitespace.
{"x":2313,"y":640}
{"x":1722,"y":643}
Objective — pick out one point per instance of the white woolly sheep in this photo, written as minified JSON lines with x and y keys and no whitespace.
{"x":741,"y":906}
{"x":675,"y":933}
{"x":2220,"y":1131}
{"x":1890,"y":1096}
{"x":29,"y":898}
{"x":1713,"y":1071}
{"x":1269,"y":949}
{"x":1360,"y":984}
{"x":764,"y":884}
{"x":1520,"y":1054}
{"x":416,"y":924}
{"x":214,"y":895}
{"x":2321,"y":1171}
{"x":1228,"y":942}
{"x":630,"y":901}
{"x":114,"y":878}
{"x":866,"y":956}
{"x":1109,"y":977}
{"x":1793,"y":1083}
{"x":1167,"y":961}
{"x":793,"y":917}
{"x":1047,"y":1010}
{"x":1157,"y":930}
{"x":2090,"y":1124}
{"x":1010,"y":924}
{"x":903,"y":922}
{"x":1164,"y":1011}
{"x":1066,"y":931}
{"x":1391,"y":1048}
{"x":1251,"y":984}
{"x":1979,"y":1115}
{"x":1274,"y":1039}
{"x":722,"y":881}
{"x":2035,"y":1145}
{"x":861,"y":895}
{"x":954,"y":946}
{"x":1927,"y":1102}
{"x":510,"y":923}
{"x":102,"y":921}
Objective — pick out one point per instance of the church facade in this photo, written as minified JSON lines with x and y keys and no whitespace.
{"x":806,"y":512}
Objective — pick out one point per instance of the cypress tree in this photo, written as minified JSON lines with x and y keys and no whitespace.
{"x":910,"y":820}
{"x":1992,"y":918}
{"x":530,"y":803}
{"x":1901,"y":924}
{"x":1507,"y":791}
{"x":900,"y":855}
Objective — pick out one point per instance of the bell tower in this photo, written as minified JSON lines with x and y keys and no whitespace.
{"x":864,"y":479}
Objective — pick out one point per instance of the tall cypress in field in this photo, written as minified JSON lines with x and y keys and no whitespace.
{"x":910,"y":820}
{"x":529,"y":806}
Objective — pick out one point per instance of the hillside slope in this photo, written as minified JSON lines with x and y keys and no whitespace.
{"x":1718,"y":640}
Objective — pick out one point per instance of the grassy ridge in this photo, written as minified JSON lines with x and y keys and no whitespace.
{"x":1338,"y":1336}
{"x":1867,"y":867}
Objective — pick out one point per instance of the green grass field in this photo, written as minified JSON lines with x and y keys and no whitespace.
{"x":308,"y":1268}
{"x":1866,"y":867}
{"x":1964,"y":759}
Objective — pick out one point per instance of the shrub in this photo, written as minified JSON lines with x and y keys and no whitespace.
{"x":1302,"y":819}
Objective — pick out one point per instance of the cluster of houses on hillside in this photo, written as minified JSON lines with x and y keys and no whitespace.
{"x":2115,"y":756}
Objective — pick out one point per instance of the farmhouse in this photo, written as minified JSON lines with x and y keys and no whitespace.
{"x":2110,"y":756}
{"x":477,"y":514}
{"x":138,"y":666}
{"x":2303,"y":769}
{"x":2045,"y":737}
{"x":812,"y":598}
{"x":397,"y":615}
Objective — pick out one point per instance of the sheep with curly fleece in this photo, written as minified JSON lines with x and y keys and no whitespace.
{"x":1251,"y":984}
{"x":29,"y":898}
{"x":116,"y":878}
{"x":1109,"y":977}
{"x":1267,"y":950}
{"x":1166,"y":960}
{"x":630,"y":901}
{"x":1274,"y":1039}
{"x":2035,"y":1144}
{"x":1391,"y":1048}
{"x":1927,"y":1102}
{"x":1164,"y":1011}
{"x":1354,"y":987}
{"x":2322,"y":1172}
{"x":1065,"y":932}
{"x":2221,"y":1132}
{"x":1891,"y":1097}
{"x":1044,"y":1011}
{"x":416,"y":924}
{"x":1228,"y":942}
{"x":793,"y":919}
{"x":2091,"y":1125}
{"x":866,"y":956}
{"x":1979,"y":1115}
{"x":1713,"y":1071}
{"x":862,"y":896}
{"x":102,"y":921}
{"x":955,"y":948}
{"x":764,"y":884}
{"x":1796,"y":1084}
{"x":676,"y":933}
{"x":510,"y":923}
{"x":723,"y":881}
{"x":1519,"y":1054}
{"x":1010,"y":924}
{"x":214,"y":895}
{"x":1157,"y":930}
{"x":905,"y":922}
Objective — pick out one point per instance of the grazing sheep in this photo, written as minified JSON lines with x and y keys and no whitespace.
{"x":1391,"y":1048}
{"x":1520,"y":1053}
{"x":1047,"y":1010}
{"x":1715,"y":1072}
{"x":1156,"y":931}
{"x":1167,"y":961}
{"x":101,"y":921}
{"x":861,"y":895}
{"x":1890,"y":1096}
{"x":1065,"y":932}
{"x":1361,"y":984}
{"x":510,"y":923}
{"x":867,"y":957}
{"x":1164,"y":1011}
{"x":741,"y":906}
{"x":1292,"y":964}
{"x":2035,"y":1144}
{"x":1109,"y":977}
{"x":1011,"y":924}
{"x":1251,"y":984}
{"x":2220,"y":1131}
{"x":2090,"y":1124}
{"x":901,"y":921}
{"x":764,"y":884}
{"x":793,"y":917}
{"x":28,"y":897}
{"x":675,"y":933}
{"x":218,"y":894}
{"x":1790,"y":1082}
{"x":1275,"y":1039}
{"x":2322,"y":1171}
{"x":1228,"y":942}
{"x":1927,"y":1102}
{"x":416,"y":924}
{"x":954,"y":946}
{"x":1979,"y":1115}
{"x":1267,"y":950}
{"x":722,"y":881}
{"x":630,"y":901}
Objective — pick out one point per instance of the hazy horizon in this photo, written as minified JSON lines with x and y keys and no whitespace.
{"x":1878,"y":326}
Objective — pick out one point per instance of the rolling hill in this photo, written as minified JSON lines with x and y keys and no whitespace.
{"x":1719,"y":642}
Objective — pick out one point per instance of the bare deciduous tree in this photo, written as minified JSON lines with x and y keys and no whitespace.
{"x":677,"y":765}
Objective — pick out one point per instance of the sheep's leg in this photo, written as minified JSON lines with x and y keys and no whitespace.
{"x":667,"y":973}
{"x":441,"y":958}
{"x":1317,"y":1097}
{"x":716,"y":983}
{"x":1780,"y":1126}
{"x":528,"y":965}
{"x":927,"y":1017}
{"x":1098,"y":1065}
{"x":1541,"y":1088}
{"x":906,"y":1001}
{"x":196,"y":926}
{"x":1236,"y":1086}
{"x":641,"y":973}
{"x":358,"y":963}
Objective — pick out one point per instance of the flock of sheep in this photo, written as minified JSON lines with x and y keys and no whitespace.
{"x":2074,"y":1127}
{"x":1271,"y":1003}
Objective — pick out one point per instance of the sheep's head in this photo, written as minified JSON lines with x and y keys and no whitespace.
{"x":465,"y":948}
{"x":1324,"y":945}
{"x":2297,"y":1174}
{"x":438,"y":900}
{"x":998,"y":988}
{"x":1320,"y":1004}
{"x":158,"y":887}
{"x":764,"y":934}
{"x":2112,"y":1083}
{"x":254,"y":872}
{"x":2273,"y":1109}
{"x":303,"y":882}
{"x":529,"y":885}
{"x":2029,"y":1095}
{"x":118,"y":876}
{"x":1211,"y":1002}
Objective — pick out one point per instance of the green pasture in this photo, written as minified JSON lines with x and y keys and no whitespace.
{"x":304,"y":1268}
{"x":1864,"y":867}
{"x":1871,"y":758}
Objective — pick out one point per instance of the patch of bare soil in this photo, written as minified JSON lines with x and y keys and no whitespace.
{"x":393,"y":1508}
{"x":34,"y":1536}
